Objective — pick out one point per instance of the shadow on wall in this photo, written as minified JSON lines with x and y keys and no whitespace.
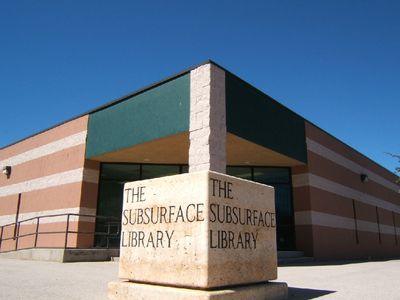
{"x":303,"y":294}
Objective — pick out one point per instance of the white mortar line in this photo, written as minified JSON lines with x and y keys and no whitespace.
{"x":76,"y":175}
{"x":327,"y":153}
{"x":53,"y":147}
{"x":7,"y":219}
{"x":333,"y":221}
{"x":308,"y":179}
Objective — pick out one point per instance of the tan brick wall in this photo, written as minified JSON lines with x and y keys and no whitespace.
{"x":50,"y":171}
{"x":324,"y":192}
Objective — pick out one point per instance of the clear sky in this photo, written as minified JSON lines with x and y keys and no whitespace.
{"x":336,"y":63}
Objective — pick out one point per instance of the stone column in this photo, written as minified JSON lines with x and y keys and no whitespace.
{"x":207,"y":128}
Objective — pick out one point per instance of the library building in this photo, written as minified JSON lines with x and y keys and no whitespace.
{"x":62,"y":188}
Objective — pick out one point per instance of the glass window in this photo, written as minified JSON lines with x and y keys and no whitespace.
{"x":112,"y":179}
{"x":114,"y":176}
{"x":120,"y":172}
{"x":241,"y":172}
{"x":271,"y":175}
{"x":154,"y":171}
{"x":279,"y":178}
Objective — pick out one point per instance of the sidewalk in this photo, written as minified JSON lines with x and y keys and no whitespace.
{"x":357,"y":280}
{"x":48,"y":280}
{"x":24,"y":279}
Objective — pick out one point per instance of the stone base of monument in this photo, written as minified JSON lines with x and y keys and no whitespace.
{"x":121,"y":290}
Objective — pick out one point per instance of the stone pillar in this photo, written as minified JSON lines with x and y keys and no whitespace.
{"x":207,"y":128}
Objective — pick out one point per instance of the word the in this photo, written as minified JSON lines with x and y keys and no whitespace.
{"x":135,"y":194}
{"x":243,"y":216}
{"x":221,"y":188}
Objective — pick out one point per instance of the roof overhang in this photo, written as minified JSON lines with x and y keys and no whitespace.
{"x":174,"y":149}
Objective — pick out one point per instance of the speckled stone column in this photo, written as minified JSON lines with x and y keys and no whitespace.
{"x":207,"y":128}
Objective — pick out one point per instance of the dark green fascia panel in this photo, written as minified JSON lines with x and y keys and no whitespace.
{"x":258,"y":118}
{"x":155,"y":113}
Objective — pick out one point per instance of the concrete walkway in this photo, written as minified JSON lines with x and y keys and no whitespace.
{"x":24,"y":279}
{"x":49,"y":280}
{"x":357,"y":280}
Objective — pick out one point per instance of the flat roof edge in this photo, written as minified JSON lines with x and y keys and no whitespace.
{"x":113,"y":102}
{"x":170,"y":78}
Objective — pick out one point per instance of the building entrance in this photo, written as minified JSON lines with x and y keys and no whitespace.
{"x":113,"y":176}
{"x":280,"y":179}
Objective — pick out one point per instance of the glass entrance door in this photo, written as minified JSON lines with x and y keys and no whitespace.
{"x":279,"y":178}
{"x":113,"y":176}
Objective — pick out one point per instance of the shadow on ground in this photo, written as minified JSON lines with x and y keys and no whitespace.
{"x":303,"y":294}
{"x":336,"y":262}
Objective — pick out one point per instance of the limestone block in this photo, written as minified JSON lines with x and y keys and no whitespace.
{"x":198,"y":230}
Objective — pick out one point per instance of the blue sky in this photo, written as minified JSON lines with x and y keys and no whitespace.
{"x":336,"y":63}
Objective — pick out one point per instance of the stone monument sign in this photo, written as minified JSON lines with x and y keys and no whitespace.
{"x":195,"y":232}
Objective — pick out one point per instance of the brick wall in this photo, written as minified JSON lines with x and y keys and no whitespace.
{"x":50,"y":176}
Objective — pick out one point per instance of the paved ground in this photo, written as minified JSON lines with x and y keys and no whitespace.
{"x":47,"y":280}
{"x":362,"y":280}
{"x":51,"y":280}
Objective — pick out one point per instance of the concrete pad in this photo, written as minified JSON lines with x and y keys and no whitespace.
{"x":31,"y":280}
{"x":129,"y":290}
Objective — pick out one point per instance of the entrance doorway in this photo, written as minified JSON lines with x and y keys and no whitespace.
{"x":280,"y":179}
{"x":113,"y":176}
